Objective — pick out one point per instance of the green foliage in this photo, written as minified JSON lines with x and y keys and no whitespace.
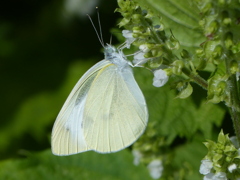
{"x":190,"y":40}
{"x":171,"y":118}
{"x":223,"y":154}
{"x":174,"y":117}
{"x":159,"y":29}
{"x":85,"y":166}
{"x":181,"y":17}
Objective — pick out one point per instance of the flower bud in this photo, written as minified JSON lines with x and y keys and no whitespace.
{"x":149,"y":14}
{"x":136,"y":18}
{"x":172,"y":43}
{"x":138,"y":29}
{"x":177,"y":67}
{"x":184,"y":54}
{"x":218,"y":50}
{"x":221,"y":87}
{"x":202,"y":64}
{"x":155,"y":62}
{"x":123,"y":22}
{"x":217,"y":89}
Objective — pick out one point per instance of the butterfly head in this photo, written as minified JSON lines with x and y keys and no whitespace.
{"x":116,"y":56}
{"x":109,"y":51}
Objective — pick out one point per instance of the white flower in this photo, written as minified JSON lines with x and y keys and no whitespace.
{"x":137,"y":157}
{"x":129,"y":37}
{"x":127,"y":34}
{"x":217,"y":176}
{"x":232,"y":167}
{"x":139,"y":58}
{"x":206,"y":166}
{"x":220,"y":176}
{"x":209,"y":176}
{"x":205,"y":169}
{"x":155,"y":168}
{"x":160,"y":78}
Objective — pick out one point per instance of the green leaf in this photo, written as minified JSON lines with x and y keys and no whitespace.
{"x":88,"y":165}
{"x":222,"y":138}
{"x":181,"y":17}
{"x":189,"y":156}
{"x":186,"y":92}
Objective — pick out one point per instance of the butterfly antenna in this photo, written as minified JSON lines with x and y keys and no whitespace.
{"x":100,"y":40}
{"x":111,"y":39}
{"x":99,"y":24}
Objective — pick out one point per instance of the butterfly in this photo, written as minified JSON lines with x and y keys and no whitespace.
{"x":105,"y":112}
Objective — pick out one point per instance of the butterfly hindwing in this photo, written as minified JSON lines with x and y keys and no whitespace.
{"x":115,"y":113}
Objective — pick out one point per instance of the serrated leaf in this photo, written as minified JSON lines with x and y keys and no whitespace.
{"x":181,"y":17}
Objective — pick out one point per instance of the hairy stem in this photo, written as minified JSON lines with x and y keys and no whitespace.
{"x":235,"y":103}
{"x":196,"y":78}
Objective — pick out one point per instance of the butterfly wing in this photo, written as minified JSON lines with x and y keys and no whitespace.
{"x":67,"y":134}
{"x":115,"y":113}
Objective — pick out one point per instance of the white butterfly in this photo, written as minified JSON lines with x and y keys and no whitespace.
{"x":105,"y":112}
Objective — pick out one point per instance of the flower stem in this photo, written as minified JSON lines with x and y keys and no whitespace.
{"x":235,"y":103}
{"x":196,"y":78}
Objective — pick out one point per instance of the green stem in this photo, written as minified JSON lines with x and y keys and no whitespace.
{"x":235,"y":103}
{"x":196,"y":78}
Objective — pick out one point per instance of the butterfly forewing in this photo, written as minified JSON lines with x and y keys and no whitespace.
{"x":115,"y":113}
{"x":67,"y":135}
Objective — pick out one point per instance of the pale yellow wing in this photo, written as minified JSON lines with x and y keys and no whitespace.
{"x":67,"y":134}
{"x":115,"y":113}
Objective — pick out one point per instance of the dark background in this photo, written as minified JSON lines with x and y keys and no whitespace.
{"x":38,"y":41}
